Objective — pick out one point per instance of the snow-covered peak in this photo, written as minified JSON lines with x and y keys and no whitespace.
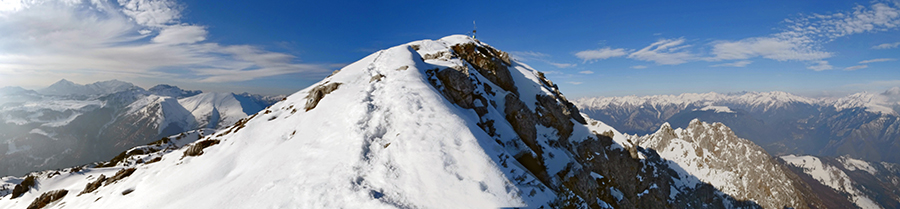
{"x":163,"y":111}
{"x":717,"y":109}
{"x":877,"y":103}
{"x":66,"y":87}
{"x":895,"y":91}
{"x":172,"y":91}
{"x":214,"y":110}
{"x":736,"y":166}
{"x":833,"y":176}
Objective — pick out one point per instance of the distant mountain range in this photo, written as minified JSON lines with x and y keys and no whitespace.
{"x":68,"y":124}
{"x":862,"y":125}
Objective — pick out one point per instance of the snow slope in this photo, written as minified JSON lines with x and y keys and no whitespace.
{"x":397,"y":143}
{"x":214,"y":110}
{"x":164,"y":111}
{"x":833,"y":177}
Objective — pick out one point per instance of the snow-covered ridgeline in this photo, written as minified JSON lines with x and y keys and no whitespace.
{"x":881,"y":103}
{"x":834,"y":177}
{"x":711,"y":153}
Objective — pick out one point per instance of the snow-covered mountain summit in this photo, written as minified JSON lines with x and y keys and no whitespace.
{"x":449,"y":123}
{"x":736,"y":166}
{"x":66,"y":87}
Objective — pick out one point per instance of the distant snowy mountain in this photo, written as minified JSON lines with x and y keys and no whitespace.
{"x":862,"y":125}
{"x":449,"y":123}
{"x":172,"y":91}
{"x":736,"y":166}
{"x":214,"y":110}
{"x":96,"y":121}
{"x":865,"y":184}
{"x":65,"y":87}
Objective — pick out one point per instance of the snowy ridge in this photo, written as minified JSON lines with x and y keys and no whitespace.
{"x":214,"y":110}
{"x":764,"y":101}
{"x":717,"y":109}
{"x":832,"y":176}
{"x":164,"y":110}
{"x":65,"y":87}
{"x":736,"y":166}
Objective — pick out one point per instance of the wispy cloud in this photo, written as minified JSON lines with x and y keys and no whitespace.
{"x":742,"y":63}
{"x":586,"y":72}
{"x":638,"y":67}
{"x":126,"y":39}
{"x":886,"y":45}
{"x":804,"y":37}
{"x":664,"y":52}
{"x":877,"y":60}
{"x":541,"y":57}
{"x":562,"y":65}
{"x":820,"y":66}
{"x":574,"y":82}
{"x":857,"y":67}
{"x":600,"y":54}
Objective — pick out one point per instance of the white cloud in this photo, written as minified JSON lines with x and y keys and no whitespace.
{"x":537,"y":56}
{"x":742,"y":63}
{"x":528,"y":55}
{"x":804,"y":37}
{"x":857,"y":67}
{"x":136,"y":38}
{"x":664,"y":52}
{"x":153,"y":13}
{"x":886,"y":45}
{"x":181,"y":34}
{"x":562,"y":65}
{"x":820,"y":66}
{"x":586,"y":72}
{"x":767,"y":47}
{"x":639,"y":67}
{"x":574,"y":82}
{"x":600,"y":54}
{"x":877,"y":60}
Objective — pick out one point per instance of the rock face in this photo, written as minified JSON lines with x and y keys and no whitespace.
{"x":731,"y":164}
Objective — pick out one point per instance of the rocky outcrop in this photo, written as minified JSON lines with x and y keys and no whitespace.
{"x":458,"y":87}
{"x":47,"y":198}
{"x":319,"y":92}
{"x":489,"y":64}
{"x":731,"y":164}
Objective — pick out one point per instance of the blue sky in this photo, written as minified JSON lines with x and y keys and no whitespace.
{"x":589,"y":48}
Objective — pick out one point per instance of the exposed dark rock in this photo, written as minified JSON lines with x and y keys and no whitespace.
{"x":23,"y":187}
{"x":565,"y":107}
{"x":457,"y":86}
{"x":319,"y":92}
{"x":121,"y":174}
{"x":487,"y":64}
{"x":92,"y":186}
{"x":376,"y":78}
{"x":196,"y":149}
{"x":48,"y":198}
{"x":522,"y":120}
{"x":551,"y":114}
